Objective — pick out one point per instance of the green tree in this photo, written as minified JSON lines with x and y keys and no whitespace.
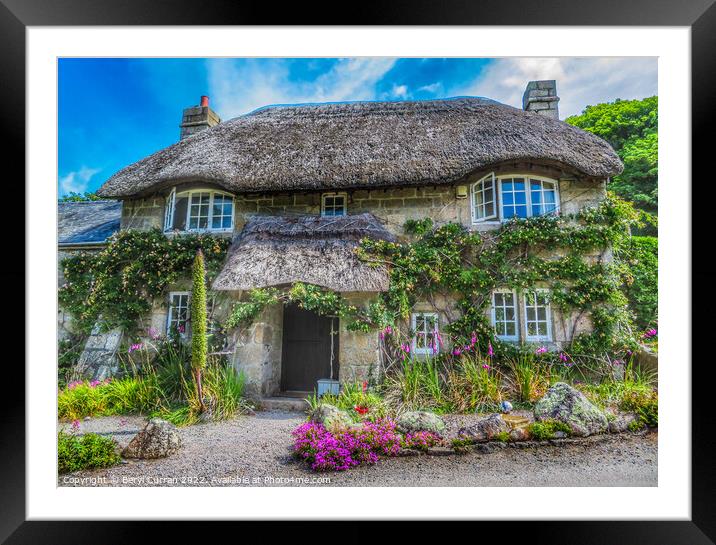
{"x":80,"y":197}
{"x":631,"y":127}
{"x":640,"y":255}
{"x":199,"y":344}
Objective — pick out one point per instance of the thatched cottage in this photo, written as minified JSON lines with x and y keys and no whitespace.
{"x":296,"y":188}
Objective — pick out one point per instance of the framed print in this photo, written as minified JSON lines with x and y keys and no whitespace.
{"x":421,"y":253}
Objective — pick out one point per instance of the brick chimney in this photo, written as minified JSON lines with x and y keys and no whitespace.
{"x":198,"y":118}
{"x":541,"y":98}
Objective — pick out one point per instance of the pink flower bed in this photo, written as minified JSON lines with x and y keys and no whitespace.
{"x":326,"y":451}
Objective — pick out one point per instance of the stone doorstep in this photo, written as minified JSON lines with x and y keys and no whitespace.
{"x":290,"y":404}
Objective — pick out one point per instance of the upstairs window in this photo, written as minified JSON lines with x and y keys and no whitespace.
{"x":512,"y":196}
{"x":199,"y":210}
{"x":334,"y":204}
{"x":425,"y":327}
{"x":484,"y":203}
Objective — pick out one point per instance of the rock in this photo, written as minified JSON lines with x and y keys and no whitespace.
{"x":158,"y":439}
{"x":506,"y":407}
{"x":487,"y":448}
{"x":620,"y":423}
{"x":485,"y":429}
{"x":568,"y":405}
{"x":559,"y":435}
{"x":331,"y":417}
{"x":420,"y":421}
{"x":519,"y":434}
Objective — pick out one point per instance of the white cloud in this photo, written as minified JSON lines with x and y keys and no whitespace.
{"x":77,"y":180}
{"x":400,"y":91}
{"x":435,"y":88}
{"x":580,"y":81}
{"x":240,"y":86}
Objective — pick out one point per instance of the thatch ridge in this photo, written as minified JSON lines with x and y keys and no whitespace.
{"x":363,"y":145}
{"x":281,"y":250}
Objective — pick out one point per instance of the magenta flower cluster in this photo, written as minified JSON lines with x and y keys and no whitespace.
{"x":134,"y":347}
{"x":421,"y":440}
{"x":75,"y":383}
{"x":649,"y":333}
{"x":326,"y":451}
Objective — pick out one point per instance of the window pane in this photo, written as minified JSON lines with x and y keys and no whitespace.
{"x":226,"y":222}
{"x":510,"y":329}
{"x":531,"y":329}
{"x":507,"y":185}
{"x":180,"y":213}
{"x":507,"y":198}
{"x":520,"y":211}
{"x":519,"y":184}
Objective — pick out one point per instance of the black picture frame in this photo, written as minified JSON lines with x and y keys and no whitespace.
{"x":699,"y":15}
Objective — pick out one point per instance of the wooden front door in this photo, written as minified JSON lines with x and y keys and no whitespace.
{"x":307,"y":349}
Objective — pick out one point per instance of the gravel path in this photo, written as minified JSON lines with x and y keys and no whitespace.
{"x":254,"y":451}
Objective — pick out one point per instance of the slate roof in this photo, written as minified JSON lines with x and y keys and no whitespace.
{"x":90,"y":222}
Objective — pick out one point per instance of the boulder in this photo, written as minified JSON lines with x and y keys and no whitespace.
{"x":506,"y":407}
{"x":568,"y":405}
{"x":485,"y":429}
{"x":158,"y":439}
{"x":420,"y":421}
{"x":620,"y":422}
{"x":331,"y":417}
{"x":519,"y":434}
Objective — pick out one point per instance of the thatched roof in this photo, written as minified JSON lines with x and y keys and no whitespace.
{"x":364,"y":145}
{"x":281,"y":250}
{"x":90,"y":222}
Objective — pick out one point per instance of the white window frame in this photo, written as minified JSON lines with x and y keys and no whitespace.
{"x":479,"y":187}
{"x":335,"y":194}
{"x":516,"y":321}
{"x":548,"y":317}
{"x":528,"y":193}
{"x":170,"y":311}
{"x":414,"y":325}
{"x":171,"y":208}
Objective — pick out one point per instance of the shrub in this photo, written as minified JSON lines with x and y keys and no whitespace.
{"x":85,"y":452}
{"x":545,"y":429}
{"x":420,"y":440}
{"x":326,"y":451}
{"x":502,"y":436}
{"x":123,"y":396}
{"x":644,"y":404}
{"x":641,"y":257}
{"x":356,"y":399}
{"x":460,"y":444}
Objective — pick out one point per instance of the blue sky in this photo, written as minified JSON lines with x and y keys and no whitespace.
{"x":113,"y":112}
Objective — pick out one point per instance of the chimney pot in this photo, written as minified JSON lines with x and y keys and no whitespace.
{"x":204,"y":101}
{"x":541,"y":98}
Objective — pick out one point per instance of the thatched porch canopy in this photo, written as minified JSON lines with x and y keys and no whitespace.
{"x":281,"y":250}
{"x":316,"y":147}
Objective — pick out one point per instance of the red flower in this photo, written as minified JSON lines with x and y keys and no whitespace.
{"x":365,"y":386}
{"x":360,"y":410}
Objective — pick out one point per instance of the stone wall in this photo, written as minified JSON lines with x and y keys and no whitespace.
{"x":358,"y":353}
{"x":257,"y":352}
{"x":143,"y":213}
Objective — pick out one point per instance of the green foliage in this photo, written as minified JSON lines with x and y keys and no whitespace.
{"x":443,"y":384}
{"x":350,"y":397}
{"x":644,"y":404}
{"x":199,"y":346}
{"x":631,"y":127}
{"x":87,"y":451}
{"x":80,"y":197}
{"x":640,"y":256}
{"x":129,"y":395}
{"x":450,"y":259}
{"x":120,"y":282}
{"x":545,"y":429}
{"x":68,"y":354}
{"x":306,"y":296}
{"x":502,"y":436}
